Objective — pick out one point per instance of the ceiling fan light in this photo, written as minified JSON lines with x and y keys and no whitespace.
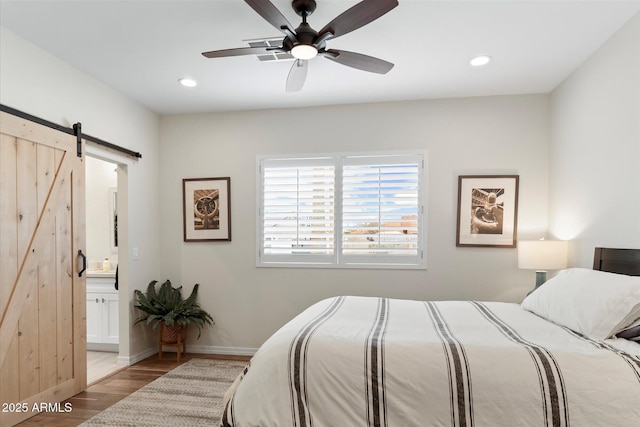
{"x":304,"y":51}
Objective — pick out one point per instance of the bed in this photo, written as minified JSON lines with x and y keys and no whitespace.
{"x":557,"y":359}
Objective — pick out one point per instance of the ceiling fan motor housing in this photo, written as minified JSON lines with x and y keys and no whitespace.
{"x":305,"y":34}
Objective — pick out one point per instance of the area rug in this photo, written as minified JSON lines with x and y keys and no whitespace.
{"x":189,"y":395}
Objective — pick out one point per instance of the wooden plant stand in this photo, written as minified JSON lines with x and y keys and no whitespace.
{"x":180,"y":341}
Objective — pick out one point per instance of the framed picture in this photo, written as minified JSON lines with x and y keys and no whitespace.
{"x":206,"y":204}
{"x":487,"y":210}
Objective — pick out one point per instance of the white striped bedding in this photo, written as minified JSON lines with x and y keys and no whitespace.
{"x":359,"y":361}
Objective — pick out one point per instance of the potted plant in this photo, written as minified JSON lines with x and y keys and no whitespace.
{"x":167,"y":306}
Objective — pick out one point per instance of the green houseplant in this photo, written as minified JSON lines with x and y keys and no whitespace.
{"x":167,"y":305}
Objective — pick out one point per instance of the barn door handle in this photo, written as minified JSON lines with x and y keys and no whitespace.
{"x":84,"y":262}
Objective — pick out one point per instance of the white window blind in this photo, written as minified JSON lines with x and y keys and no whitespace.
{"x":342,"y":210}
{"x":298,"y":210}
{"x":380,"y":206}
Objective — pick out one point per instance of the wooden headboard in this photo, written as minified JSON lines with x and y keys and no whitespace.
{"x":622,"y":261}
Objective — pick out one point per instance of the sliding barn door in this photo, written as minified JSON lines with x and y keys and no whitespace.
{"x":42,"y":297}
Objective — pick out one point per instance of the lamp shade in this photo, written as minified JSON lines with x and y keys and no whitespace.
{"x":542,"y":254}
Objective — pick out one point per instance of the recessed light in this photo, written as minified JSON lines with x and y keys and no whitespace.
{"x":480,"y":60}
{"x":187,"y":82}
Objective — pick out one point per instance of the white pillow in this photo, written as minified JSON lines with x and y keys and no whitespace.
{"x":593,"y":303}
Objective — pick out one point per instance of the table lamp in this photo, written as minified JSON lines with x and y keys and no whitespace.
{"x":542,"y":255}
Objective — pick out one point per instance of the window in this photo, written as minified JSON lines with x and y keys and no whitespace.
{"x":342,"y":210}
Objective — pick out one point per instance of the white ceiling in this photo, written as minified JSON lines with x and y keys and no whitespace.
{"x":142,"y":48}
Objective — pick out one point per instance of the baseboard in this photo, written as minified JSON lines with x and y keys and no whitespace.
{"x":112,"y":348}
{"x":137,"y":357}
{"x":198,"y":349}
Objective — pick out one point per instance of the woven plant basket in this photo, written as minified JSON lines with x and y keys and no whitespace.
{"x":169,"y":334}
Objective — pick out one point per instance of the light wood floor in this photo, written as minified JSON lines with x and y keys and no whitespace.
{"x":101,"y":364}
{"x":108,"y":391}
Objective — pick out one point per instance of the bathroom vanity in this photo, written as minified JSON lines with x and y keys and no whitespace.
{"x":102,"y":311}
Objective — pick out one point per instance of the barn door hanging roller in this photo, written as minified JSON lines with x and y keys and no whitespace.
{"x":77,"y":130}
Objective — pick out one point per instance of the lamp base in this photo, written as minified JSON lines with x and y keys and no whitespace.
{"x":541,"y":277}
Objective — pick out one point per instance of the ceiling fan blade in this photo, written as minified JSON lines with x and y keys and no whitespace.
{"x":272,"y":15}
{"x":358,"y":60}
{"x":240,"y":51}
{"x":297,"y":75}
{"x":357,"y":16}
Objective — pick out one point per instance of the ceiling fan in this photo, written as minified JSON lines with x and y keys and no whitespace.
{"x":305,"y":43}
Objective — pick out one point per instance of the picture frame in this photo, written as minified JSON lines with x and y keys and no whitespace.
{"x":206,"y":209}
{"x":487,"y":211}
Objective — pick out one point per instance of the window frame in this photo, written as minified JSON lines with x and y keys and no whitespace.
{"x":337,"y":260}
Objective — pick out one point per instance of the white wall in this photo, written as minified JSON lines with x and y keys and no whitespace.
{"x":595,"y":154}
{"x":495,"y":135}
{"x":33,"y":81}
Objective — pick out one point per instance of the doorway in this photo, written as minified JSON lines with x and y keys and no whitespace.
{"x":105,"y":177}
